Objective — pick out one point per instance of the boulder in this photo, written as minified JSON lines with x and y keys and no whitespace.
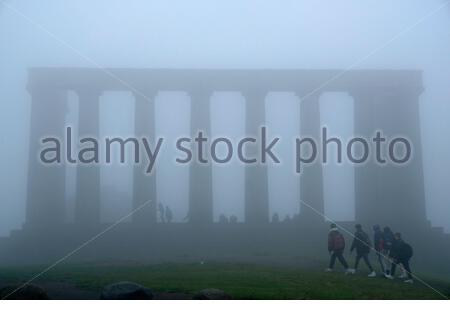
{"x":211,"y":294}
{"x":126,"y":291}
{"x":27,"y":292}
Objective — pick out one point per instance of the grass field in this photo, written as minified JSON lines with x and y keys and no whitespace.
{"x":242,"y":281}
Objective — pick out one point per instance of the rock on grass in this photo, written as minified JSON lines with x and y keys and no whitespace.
{"x":126,"y":291}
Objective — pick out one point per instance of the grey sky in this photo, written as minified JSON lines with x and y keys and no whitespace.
{"x":229,"y":34}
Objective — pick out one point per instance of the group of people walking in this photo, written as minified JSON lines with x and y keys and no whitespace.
{"x":390,"y":248}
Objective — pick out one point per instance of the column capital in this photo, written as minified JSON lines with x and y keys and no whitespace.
{"x":34,"y":88}
{"x":50,"y":98}
{"x":309,"y":94}
{"x":143,"y":101}
{"x":310,"y":100}
{"x":144,"y":93}
{"x":255,"y":92}
{"x":205,"y":93}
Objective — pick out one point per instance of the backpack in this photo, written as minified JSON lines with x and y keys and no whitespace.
{"x":339,"y":242}
{"x":364,"y":241}
{"x":378,"y":240}
{"x":408,"y":251}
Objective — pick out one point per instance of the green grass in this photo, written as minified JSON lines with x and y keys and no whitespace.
{"x":240,"y":280}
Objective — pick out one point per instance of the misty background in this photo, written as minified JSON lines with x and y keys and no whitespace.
{"x":230,"y":34}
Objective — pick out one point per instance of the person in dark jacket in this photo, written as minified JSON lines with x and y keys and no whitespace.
{"x":389,"y":242}
{"x":378,"y":243}
{"x":388,"y":239}
{"x":336,"y":246}
{"x":361,"y":243}
{"x":401,"y":253}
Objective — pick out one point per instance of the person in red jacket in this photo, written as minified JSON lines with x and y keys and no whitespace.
{"x":336,"y":246}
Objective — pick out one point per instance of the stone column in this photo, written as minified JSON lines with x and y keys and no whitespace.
{"x":256,"y":177}
{"x":390,"y":194}
{"x":87,"y":212}
{"x":200,"y":174}
{"x":366,"y":180}
{"x":311,"y":178}
{"x":144,"y":184}
{"x":46,"y":182}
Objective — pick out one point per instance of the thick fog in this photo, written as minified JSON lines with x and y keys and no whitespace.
{"x":271,"y":34}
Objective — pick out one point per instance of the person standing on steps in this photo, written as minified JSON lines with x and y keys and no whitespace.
{"x":161,"y":213}
{"x":361,"y":243}
{"x":168,"y":214}
{"x":336,"y":246}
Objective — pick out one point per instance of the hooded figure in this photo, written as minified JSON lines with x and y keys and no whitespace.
{"x":401,"y":253}
{"x":361,"y":243}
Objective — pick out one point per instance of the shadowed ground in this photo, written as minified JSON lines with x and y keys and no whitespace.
{"x":242,"y":281}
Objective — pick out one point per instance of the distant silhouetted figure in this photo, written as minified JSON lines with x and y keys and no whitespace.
{"x":336,"y":246}
{"x":287,"y":219}
{"x":223,"y":219}
{"x":378,"y":243}
{"x":361,"y":243}
{"x":275,"y":218}
{"x":401,"y":253}
{"x":161,"y":212}
{"x":168,"y":214}
{"x":233,"y":219}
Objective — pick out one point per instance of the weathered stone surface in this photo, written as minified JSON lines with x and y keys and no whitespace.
{"x":211,"y":294}
{"x":28,"y":292}
{"x":126,"y":291}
